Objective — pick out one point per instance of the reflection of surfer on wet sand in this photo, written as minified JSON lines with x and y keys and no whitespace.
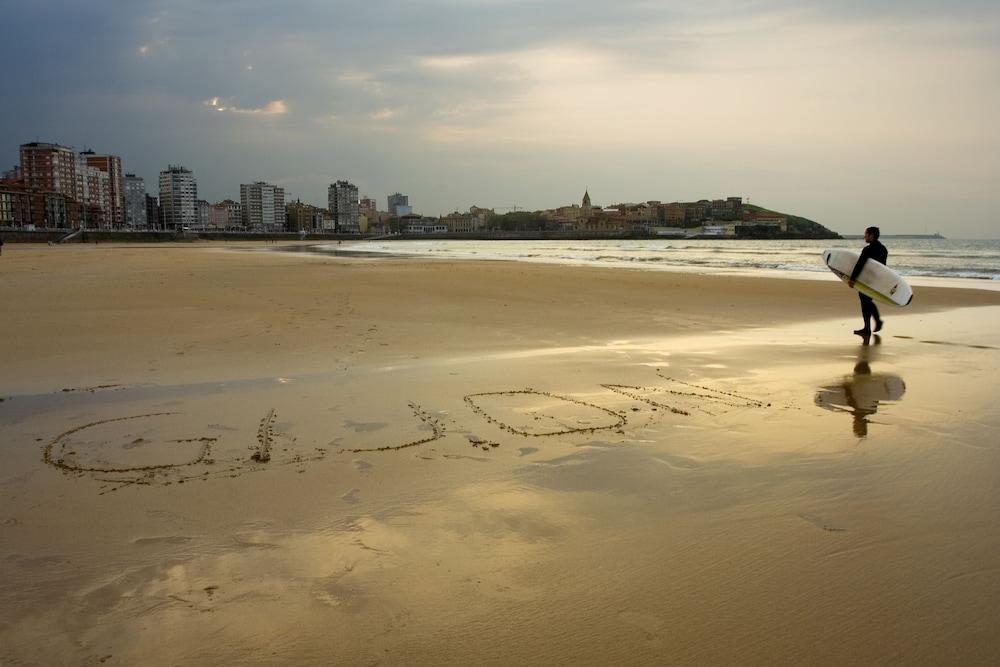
{"x":861,"y":392}
{"x":861,"y":407}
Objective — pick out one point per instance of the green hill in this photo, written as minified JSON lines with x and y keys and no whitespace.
{"x":799,"y":227}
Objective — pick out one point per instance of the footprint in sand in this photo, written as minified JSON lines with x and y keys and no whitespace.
{"x":648,"y":623}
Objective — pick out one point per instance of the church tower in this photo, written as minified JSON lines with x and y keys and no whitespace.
{"x":586,"y":199}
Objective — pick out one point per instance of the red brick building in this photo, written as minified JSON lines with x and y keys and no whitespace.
{"x":49,"y":168}
{"x":26,"y":207}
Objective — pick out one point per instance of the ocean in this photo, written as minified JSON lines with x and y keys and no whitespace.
{"x":964,"y":263}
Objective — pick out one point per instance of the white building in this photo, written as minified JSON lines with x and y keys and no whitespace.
{"x":178,"y":198}
{"x":424,"y":226}
{"x":93,"y":190}
{"x":135,"y":202}
{"x":344,"y":206}
{"x":112,"y":196}
{"x":263,"y":207}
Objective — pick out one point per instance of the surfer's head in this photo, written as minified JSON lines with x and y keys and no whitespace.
{"x":872,"y":232}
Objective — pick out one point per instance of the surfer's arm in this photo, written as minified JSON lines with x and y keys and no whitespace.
{"x":857,"y":267}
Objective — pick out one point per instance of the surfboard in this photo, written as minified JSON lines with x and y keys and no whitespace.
{"x":876,"y":279}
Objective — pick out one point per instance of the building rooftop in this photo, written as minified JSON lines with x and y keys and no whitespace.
{"x":42,"y":144}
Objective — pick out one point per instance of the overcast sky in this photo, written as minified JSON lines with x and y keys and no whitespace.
{"x":848,"y":112}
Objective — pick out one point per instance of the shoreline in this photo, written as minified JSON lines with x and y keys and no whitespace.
{"x":986,"y":284}
{"x":163,"y":236}
{"x":776,"y":260}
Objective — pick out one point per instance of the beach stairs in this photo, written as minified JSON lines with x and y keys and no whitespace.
{"x":72,"y":235}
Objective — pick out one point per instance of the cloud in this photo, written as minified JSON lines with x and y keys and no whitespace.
{"x":365,"y":82}
{"x":272,"y":108}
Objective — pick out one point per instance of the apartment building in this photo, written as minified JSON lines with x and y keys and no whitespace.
{"x":344,"y":206}
{"x":135,"y":202}
{"x":263,"y":206}
{"x":397,"y":200}
{"x":226,"y":214}
{"x":178,"y":198}
{"x":111,"y":196}
{"x":49,"y":167}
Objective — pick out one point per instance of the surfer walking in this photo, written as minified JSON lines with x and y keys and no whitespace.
{"x":876,"y":251}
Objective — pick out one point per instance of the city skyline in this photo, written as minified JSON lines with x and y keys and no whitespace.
{"x":846,"y":114}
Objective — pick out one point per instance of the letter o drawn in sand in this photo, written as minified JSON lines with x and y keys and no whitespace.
{"x":545,"y":410}
{"x":102,"y":445}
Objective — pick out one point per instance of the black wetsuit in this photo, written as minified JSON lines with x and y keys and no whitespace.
{"x":874,"y":250}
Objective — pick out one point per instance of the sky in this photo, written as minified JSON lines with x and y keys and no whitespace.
{"x":847,"y":112}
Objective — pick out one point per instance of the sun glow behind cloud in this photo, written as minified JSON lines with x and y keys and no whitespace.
{"x":383,"y":114}
{"x":272,"y":108}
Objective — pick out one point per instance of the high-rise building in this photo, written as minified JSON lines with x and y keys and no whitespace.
{"x":396,"y":200}
{"x":342,"y":198}
{"x":178,"y":198}
{"x":135,"y":202}
{"x":263,"y":207}
{"x":113,"y":199}
{"x":93,"y":191}
{"x":49,"y":168}
{"x":153,"y":212}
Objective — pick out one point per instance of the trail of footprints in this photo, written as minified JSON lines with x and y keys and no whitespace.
{"x":558,"y":415}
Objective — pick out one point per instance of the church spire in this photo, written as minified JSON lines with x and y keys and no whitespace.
{"x":586,"y":197}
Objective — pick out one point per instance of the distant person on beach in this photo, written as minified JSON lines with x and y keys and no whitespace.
{"x":1,"y":246}
{"x":876,"y":251}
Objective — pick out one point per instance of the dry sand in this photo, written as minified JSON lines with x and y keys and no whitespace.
{"x":211,"y":456}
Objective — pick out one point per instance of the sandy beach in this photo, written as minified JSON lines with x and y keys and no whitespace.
{"x":225,"y":455}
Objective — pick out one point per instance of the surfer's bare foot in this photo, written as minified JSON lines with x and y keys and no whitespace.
{"x":878,"y":326}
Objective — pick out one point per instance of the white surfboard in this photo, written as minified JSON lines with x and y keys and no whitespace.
{"x":876,"y":279}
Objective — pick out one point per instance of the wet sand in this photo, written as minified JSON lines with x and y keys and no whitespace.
{"x":215,"y":457}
